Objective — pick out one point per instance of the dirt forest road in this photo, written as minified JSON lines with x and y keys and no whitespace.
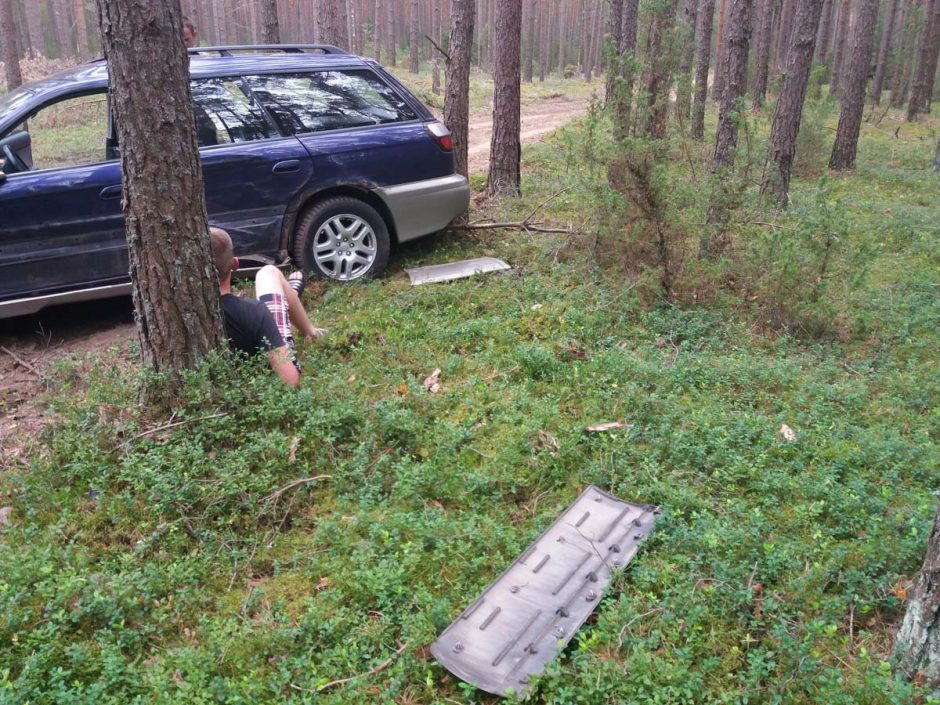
{"x":30,"y":344}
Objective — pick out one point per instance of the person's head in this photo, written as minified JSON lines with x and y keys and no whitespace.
{"x":222,"y":253}
{"x":190,"y":38}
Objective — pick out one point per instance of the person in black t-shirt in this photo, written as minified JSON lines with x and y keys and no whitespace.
{"x":263,"y":324}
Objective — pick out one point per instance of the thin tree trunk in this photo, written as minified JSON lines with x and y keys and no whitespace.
{"x":544,"y":40}
{"x":839,"y":45}
{"x":853,"y":89}
{"x":436,"y":61}
{"x":789,"y":110}
{"x":917,"y":646}
{"x":457,"y":79}
{"x":704,"y":49}
{"x":660,"y":76}
{"x":377,"y":20}
{"x":735,"y":67}
{"x":174,"y":280}
{"x":719,"y":82}
{"x":624,"y":95}
{"x":270,"y":29}
{"x":413,"y":37}
{"x":10,"y":53}
{"x":81,"y":29}
{"x":684,"y":83}
{"x":34,"y":25}
{"x":787,"y":10}
{"x":927,"y":55}
{"x":825,"y":32}
{"x":505,"y":147}
{"x":762,"y":54}
{"x":615,"y":48}
{"x":904,"y":68}
{"x":391,"y":47}
{"x":884,"y":52}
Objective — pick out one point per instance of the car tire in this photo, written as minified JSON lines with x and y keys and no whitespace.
{"x":342,"y":239}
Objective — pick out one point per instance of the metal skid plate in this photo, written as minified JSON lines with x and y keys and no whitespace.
{"x":455,"y":270}
{"x":528,"y":615}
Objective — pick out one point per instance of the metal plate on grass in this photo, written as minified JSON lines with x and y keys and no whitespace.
{"x":455,"y":270}
{"x":528,"y":615}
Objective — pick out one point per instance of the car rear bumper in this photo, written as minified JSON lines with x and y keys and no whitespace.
{"x":424,"y":207}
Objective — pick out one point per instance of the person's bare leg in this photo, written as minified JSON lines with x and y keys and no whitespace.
{"x":270,"y":280}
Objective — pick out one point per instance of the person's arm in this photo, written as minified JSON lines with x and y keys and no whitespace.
{"x":280,"y":360}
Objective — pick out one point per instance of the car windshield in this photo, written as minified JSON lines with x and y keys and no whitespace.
{"x":14,"y":100}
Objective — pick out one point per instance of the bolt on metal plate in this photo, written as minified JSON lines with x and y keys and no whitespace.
{"x":454,"y":270}
{"x":528,"y":615}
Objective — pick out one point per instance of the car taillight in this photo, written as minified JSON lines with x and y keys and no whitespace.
{"x":441,"y":135}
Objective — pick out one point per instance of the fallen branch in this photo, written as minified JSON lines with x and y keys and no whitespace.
{"x":20,"y":361}
{"x":168,"y":426}
{"x":438,"y":47}
{"x":515,"y":225}
{"x":332,"y":684}
{"x":295,"y":483}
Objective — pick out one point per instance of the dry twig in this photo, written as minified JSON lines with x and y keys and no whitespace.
{"x":290,"y":485}
{"x":20,"y":361}
{"x":167,"y":426}
{"x":378,"y":669}
{"x":438,"y":47}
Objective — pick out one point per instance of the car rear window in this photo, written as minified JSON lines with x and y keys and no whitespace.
{"x":225,"y":113}
{"x":328,"y":100}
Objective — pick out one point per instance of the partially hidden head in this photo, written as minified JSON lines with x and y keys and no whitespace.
{"x":222,"y":253}
{"x":190,"y":38}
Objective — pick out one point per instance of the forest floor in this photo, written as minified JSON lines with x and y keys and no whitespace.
{"x":31,"y":344}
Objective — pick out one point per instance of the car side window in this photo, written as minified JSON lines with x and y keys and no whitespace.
{"x":224,"y":113}
{"x":328,"y":100}
{"x":69,"y":133}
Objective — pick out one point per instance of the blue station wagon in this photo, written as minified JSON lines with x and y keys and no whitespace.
{"x":308,"y":154}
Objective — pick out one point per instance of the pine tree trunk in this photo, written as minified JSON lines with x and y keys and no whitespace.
{"x":10,"y":53}
{"x":615,"y":38}
{"x":505,"y":146}
{"x":34,"y":25}
{"x":787,"y":10}
{"x":927,"y":55}
{"x":884,"y":52}
{"x":706,"y":18}
{"x":270,"y":28}
{"x":840,"y":43}
{"x":623,"y":95}
{"x":735,"y":69}
{"x":762,"y":54}
{"x":436,"y":61}
{"x":659,"y":76}
{"x":684,"y":83}
{"x":413,"y":37}
{"x":825,"y":32}
{"x":719,"y":80}
{"x":457,"y":79}
{"x":391,"y":47}
{"x":853,"y":88}
{"x":544,"y":40}
{"x":789,"y":110}
{"x":530,"y":42}
{"x":917,"y":647}
{"x":81,"y":29}
{"x":174,"y":280}
{"x":904,"y":65}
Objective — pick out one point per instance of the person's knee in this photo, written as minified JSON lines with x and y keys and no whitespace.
{"x":268,"y":280}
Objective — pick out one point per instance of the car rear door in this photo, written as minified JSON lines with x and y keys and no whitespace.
{"x":251,"y":171}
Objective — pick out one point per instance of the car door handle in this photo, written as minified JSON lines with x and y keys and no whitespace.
{"x":285,"y":167}
{"x":110,"y":192}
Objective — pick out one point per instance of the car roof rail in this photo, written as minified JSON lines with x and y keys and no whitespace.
{"x":272,"y":48}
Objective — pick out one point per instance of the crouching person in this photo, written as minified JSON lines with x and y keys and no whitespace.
{"x":263,"y":324}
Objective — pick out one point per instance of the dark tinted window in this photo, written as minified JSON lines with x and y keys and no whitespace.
{"x":225,"y":113}
{"x":328,"y":100}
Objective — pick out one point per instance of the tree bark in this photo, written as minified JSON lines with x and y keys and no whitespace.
{"x":787,"y":11}
{"x":436,"y":61}
{"x":901,"y":82}
{"x":789,"y":110}
{"x":81,"y":29}
{"x":528,"y":65}
{"x":927,"y":55}
{"x":704,"y":49}
{"x":659,"y":77}
{"x":413,"y":37}
{"x":544,"y":32}
{"x":684,"y":83}
{"x":735,"y":69}
{"x":505,"y":146}
{"x":839,"y":45}
{"x":884,"y":52}
{"x":718,"y":87}
{"x":762,"y":54}
{"x":332,"y":23}
{"x":270,"y":28}
{"x":825,"y":32}
{"x":34,"y":24}
{"x":615,"y":39}
{"x":624,"y":95}
{"x":853,"y":90}
{"x":917,"y":647}
{"x":174,"y":280}
{"x":11,"y":53}
{"x":457,"y":79}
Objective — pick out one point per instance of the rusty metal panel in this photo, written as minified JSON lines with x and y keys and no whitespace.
{"x":528,"y":615}
{"x":454,"y":270}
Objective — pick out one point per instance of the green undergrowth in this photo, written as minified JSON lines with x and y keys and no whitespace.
{"x":254,"y":544}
